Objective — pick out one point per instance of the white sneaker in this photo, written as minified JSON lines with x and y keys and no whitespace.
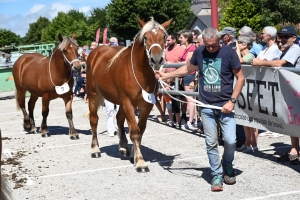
{"x":190,"y":126}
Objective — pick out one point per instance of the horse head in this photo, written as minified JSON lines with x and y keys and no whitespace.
{"x":154,"y":36}
{"x":69,"y":48}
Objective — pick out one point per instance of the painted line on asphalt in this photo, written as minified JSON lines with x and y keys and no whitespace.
{"x":50,"y":129}
{"x":274,"y":195}
{"x":40,"y":119}
{"x":119,"y":167}
{"x":39,"y":110}
{"x":70,"y":145}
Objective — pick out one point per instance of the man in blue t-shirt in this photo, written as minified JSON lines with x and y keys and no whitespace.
{"x":217,"y":65}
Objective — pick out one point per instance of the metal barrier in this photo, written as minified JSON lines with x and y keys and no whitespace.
{"x":177,"y":65}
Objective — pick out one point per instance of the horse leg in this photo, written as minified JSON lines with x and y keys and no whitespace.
{"x":68,"y":103}
{"x":45,"y":111}
{"x":94,"y":101}
{"x":31,"y":105}
{"x":135,"y":136}
{"x":20,"y":100}
{"x":123,"y":148}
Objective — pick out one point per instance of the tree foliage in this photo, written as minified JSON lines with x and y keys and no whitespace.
{"x":98,"y":19}
{"x":68,"y":23}
{"x":259,"y":13}
{"x":34,"y":34}
{"x":8,"y":38}
{"x":122,"y":14}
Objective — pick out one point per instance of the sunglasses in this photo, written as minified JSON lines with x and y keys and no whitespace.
{"x":212,"y":46}
{"x":285,"y":36}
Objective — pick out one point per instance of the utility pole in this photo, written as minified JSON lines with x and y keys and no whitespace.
{"x":214,"y":14}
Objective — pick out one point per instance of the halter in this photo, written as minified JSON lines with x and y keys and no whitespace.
{"x":66,"y":60}
{"x":148,"y":55}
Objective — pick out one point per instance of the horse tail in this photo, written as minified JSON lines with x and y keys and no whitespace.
{"x":101,"y":103}
{"x":5,"y":191}
{"x":17,"y":100}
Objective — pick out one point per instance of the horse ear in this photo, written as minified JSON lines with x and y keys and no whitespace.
{"x":141,"y":22}
{"x":74,"y":36}
{"x":60,"y":38}
{"x":167,"y":24}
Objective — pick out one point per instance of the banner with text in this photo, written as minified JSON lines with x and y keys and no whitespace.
{"x":270,"y":100}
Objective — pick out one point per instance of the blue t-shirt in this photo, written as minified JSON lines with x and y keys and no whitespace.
{"x":215,"y":74}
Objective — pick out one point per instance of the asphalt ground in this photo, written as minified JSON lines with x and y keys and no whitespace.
{"x":59,"y":168}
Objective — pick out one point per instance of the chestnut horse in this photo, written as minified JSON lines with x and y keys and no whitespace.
{"x":48,"y":78}
{"x":123,"y":76}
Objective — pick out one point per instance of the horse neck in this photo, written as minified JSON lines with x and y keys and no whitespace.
{"x":58,"y":64}
{"x":142,"y":63}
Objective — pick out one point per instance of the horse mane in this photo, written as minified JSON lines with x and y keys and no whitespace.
{"x":65,"y":42}
{"x":147,"y":27}
{"x":116,"y":56}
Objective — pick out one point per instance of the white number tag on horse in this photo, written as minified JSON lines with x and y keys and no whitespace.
{"x":150,"y":98}
{"x":62,"y":89}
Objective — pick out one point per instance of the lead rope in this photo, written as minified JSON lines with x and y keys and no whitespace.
{"x":196,"y":102}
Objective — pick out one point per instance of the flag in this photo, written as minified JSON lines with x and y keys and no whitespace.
{"x":105,"y":35}
{"x":97,"y":35}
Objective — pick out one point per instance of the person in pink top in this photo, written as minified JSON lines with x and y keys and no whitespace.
{"x":186,"y":39}
{"x":173,"y":55}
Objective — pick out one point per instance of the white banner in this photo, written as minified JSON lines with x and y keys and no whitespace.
{"x":270,"y":100}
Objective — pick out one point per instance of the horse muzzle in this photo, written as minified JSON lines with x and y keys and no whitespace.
{"x":76,"y":66}
{"x":156,"y":62}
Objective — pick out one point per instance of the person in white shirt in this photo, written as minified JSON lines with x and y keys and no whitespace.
{"x":270,"y":51}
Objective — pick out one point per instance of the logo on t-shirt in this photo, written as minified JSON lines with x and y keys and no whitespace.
{"x":211,"y":71}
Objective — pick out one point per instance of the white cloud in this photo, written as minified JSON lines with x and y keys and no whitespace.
{"x":36,"y":8}
{"x":86,"y":10}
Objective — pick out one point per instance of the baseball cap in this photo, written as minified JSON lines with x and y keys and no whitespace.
{"x":288,"y":30}
{"x":228,"y":30}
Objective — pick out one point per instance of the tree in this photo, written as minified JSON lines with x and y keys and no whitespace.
{"x":68,"y":23}
{"x":8,"y":38}
{"x":122,"y":14}
{"x":239,"y":13}
{"x":34,"y":34}
{"x":259,"y":13}
{"x":98,"y":19}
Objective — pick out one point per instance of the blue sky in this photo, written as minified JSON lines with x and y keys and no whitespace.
{"x":16,"y":15}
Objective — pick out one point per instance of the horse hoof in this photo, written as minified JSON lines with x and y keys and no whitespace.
{"x":96,"y":155}
{"x":74,"y":137}
{"x":143,"y":170}
{"x":46,"y":135}
{"x":124,"y":153}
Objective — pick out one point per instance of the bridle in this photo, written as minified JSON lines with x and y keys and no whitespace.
{"x":148,"y":51}
{"x":66,"y":60}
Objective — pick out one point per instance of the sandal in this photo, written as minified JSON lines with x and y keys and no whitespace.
{"x":283,"y":158}
{"x":161,"y":119}
{"x":294,"y":159}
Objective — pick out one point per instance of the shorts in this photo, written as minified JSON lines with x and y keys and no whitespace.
{"x":188,"y":79}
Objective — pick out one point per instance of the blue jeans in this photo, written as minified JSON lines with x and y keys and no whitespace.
{"x":210,"y":118}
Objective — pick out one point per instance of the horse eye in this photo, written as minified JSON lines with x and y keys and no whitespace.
{"x":64,"y":51}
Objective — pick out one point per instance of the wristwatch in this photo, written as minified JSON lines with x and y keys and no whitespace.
{"x":233,"y":100}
